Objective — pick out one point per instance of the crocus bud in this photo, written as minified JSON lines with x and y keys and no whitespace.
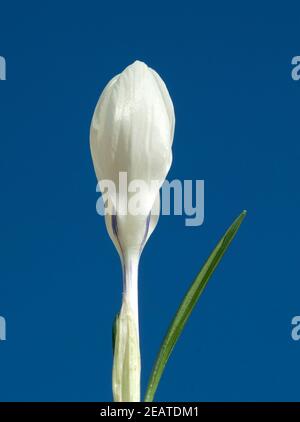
{"x":131,"y":135}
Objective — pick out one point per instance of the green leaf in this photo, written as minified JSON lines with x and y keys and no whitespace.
{"x":114,"y":331}
{"x":185,"y":309}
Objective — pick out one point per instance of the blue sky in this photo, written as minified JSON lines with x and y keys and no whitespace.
{"x":228,"y":70}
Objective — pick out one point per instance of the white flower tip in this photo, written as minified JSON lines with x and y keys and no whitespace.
{"x":138,"y":64}
{"x":136,"y":71}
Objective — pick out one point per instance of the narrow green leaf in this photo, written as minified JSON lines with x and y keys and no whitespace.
{"x":114,"y":331}
{"x":185,"y":309}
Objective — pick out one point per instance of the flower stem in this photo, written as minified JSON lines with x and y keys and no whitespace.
{"x":130,"y":285}
{"x":127,"y":361}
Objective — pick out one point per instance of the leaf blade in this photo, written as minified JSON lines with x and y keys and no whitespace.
{"x":114,"y":331}
{"x":187,"y":305}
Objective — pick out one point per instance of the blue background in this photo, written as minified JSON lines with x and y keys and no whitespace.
{"x":228,"y":69}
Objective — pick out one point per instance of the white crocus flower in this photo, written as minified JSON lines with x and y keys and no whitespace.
{"x":131,"y":132}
